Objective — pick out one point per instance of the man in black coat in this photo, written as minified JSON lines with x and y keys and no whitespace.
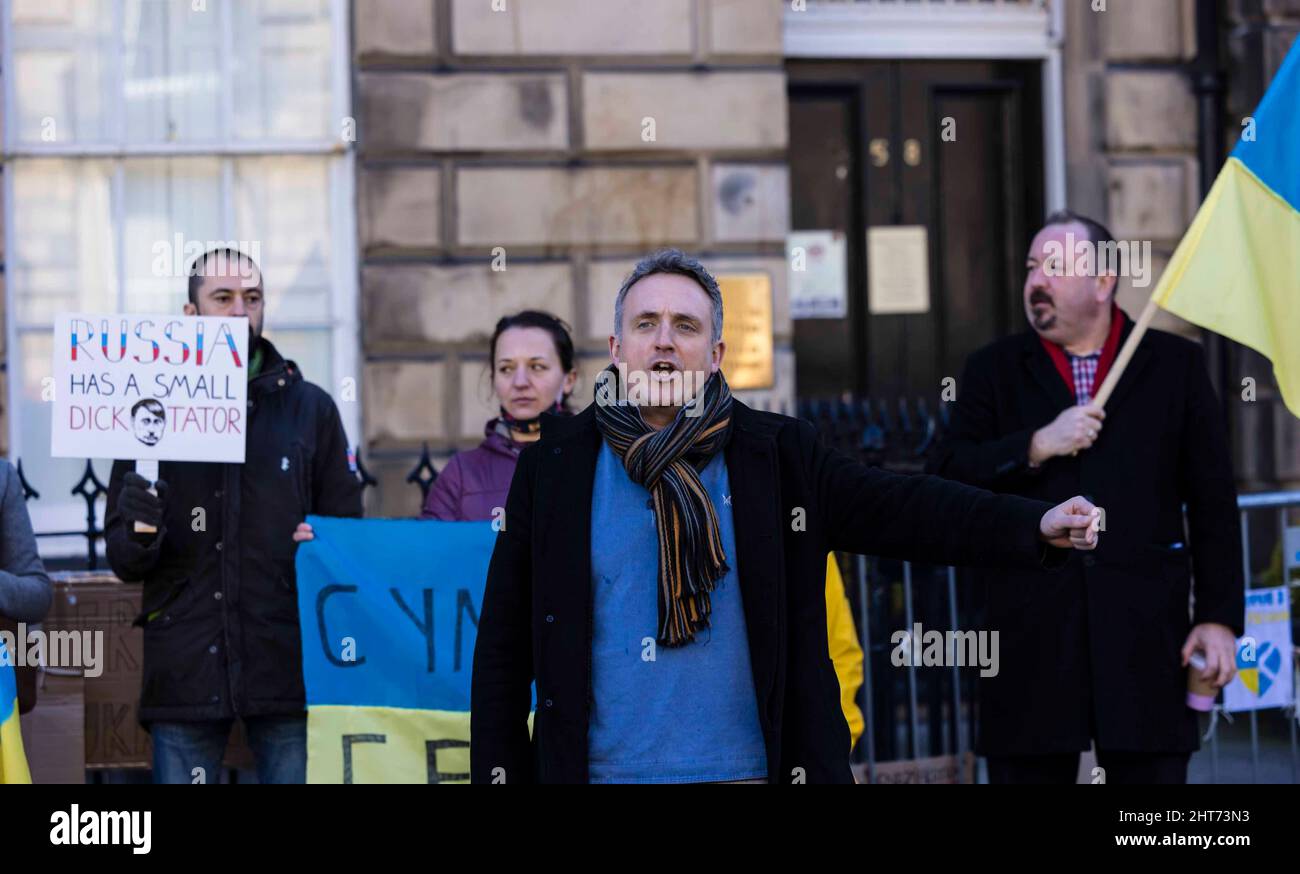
{"x":1098,"y":652}
{"x":661,"y":572}
{"x":220,"y":617}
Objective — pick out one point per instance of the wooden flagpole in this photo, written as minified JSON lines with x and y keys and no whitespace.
{"x":1125,"y":353}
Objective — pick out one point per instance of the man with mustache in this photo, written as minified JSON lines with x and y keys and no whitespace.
{"x":1098,"y":654}
{"x":661,"y":573}
{"x":220,"y":617}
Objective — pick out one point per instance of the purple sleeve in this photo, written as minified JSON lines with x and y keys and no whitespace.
{"x":443,"y":502}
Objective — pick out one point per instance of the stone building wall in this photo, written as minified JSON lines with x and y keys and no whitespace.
{"x":1131,"y":128}
{"x":569,"y":137}
{"x":520,"y":128}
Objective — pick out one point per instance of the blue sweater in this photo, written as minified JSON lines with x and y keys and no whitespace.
{"x":661,"y":715}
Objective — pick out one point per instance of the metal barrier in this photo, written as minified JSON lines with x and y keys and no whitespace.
{"x":90,"y":488}
{"x":932,"y":708}
{"x":1279,"y":501}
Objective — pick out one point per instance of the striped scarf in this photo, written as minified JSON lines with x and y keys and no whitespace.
{"x":667,"y":463}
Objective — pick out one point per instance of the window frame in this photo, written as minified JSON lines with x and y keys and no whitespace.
{"x":340,"y":155}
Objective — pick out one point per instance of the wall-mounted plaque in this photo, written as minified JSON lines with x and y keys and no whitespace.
{"x":898,"y":268}
{"x":747,"y":329}
{"x":818,"y":264}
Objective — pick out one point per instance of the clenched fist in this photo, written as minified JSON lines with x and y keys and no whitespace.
{"x":1076,"y":523}
{"x":1075,"y":429}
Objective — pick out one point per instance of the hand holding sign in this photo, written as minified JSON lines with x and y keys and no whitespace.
{"x":142,"y":502}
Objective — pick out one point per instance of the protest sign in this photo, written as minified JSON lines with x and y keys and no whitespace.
{"x":1264,"y":673}
{"x":389,"y":611}
{"x":156,"y":387}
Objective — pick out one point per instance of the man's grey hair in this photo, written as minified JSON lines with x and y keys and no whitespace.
{"x":671,"y":261}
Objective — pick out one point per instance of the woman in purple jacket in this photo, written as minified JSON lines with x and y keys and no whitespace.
{"x":532,"y":373}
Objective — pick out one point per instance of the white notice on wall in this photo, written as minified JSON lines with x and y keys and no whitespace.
{"x":898,"y":268}
{"x":818,"y":283}
{"x":171,"y":388}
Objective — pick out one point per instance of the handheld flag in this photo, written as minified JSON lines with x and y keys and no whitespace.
{"x":1237,"y":270}
{"x":389,"y":611}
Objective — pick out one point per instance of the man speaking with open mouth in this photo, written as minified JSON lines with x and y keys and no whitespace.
{"x":660,"y":575}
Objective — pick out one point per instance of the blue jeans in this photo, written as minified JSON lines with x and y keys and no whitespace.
{"x":279,"y":745}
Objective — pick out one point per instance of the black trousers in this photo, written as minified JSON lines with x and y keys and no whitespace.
{"x":1119,"y":768}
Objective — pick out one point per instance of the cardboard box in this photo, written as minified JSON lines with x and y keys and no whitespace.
{"x":98,"y":601}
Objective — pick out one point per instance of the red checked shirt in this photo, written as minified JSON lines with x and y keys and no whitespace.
{"x":1084,"y":370}
{"x":1082,"y":373}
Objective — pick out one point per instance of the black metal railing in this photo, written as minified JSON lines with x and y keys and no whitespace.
{"x":90,"y":488}
{"x":894,"y":433}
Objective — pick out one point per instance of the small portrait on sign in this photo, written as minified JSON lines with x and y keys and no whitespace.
{"x":149,"y":421}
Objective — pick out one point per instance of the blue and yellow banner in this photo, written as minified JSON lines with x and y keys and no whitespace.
{"x":13,"y":762}
{"x":389,"y":611}
{"x":1237,"y":270}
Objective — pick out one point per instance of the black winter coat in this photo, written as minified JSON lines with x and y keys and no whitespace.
{"x":793,"y":501}
{"x":225,"y":640}
{"x":1100,"y":642}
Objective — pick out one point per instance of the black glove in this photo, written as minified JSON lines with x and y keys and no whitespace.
{"x":136,"y":504}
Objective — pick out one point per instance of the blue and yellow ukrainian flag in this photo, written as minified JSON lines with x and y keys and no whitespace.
{"x":13,"y":763}
{"x":1237,"y":271}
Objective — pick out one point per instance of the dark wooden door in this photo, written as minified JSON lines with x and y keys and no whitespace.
{"x":954,"y":147}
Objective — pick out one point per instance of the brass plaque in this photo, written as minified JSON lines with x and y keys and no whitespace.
{"x":747,"y":329}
